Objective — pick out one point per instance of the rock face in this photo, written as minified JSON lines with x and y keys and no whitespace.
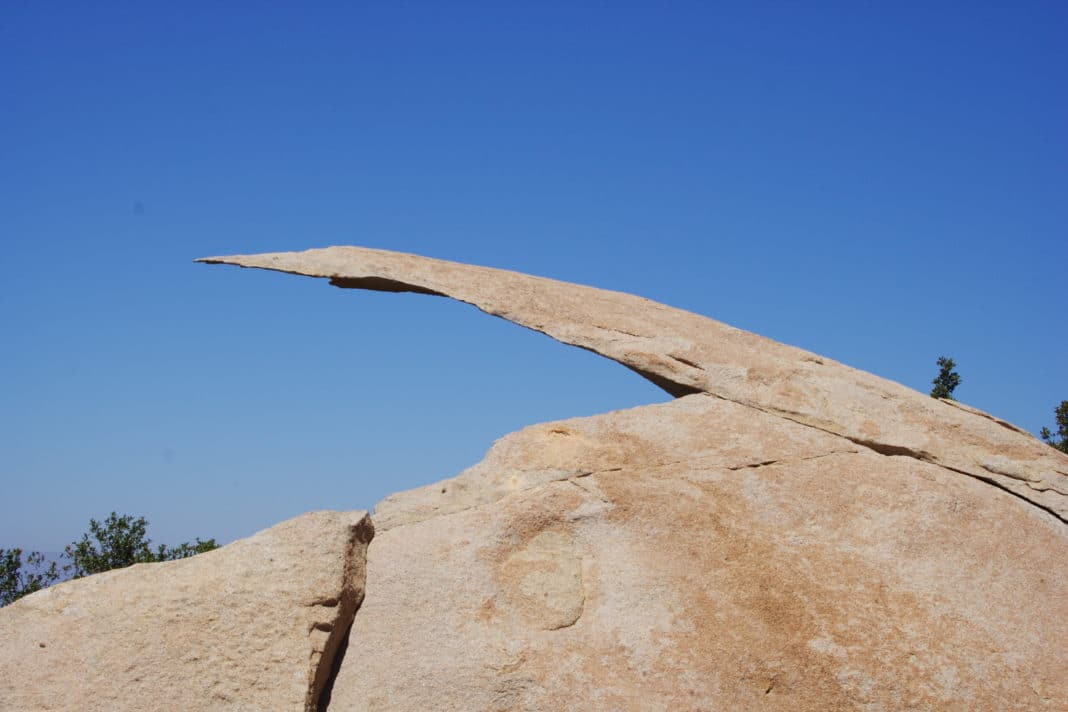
{"x":787,"y":534}
{"x":700,"y":555}
{"x":254,"y":625}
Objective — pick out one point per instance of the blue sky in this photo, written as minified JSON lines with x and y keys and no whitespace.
{"x":879,"y":183}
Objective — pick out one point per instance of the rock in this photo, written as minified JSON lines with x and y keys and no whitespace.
{"x":787,"y":534}
{"x":693,"y":429}
{"x":254,"y":625}
{"x":685,"y":353}
{"x":702,"y":555}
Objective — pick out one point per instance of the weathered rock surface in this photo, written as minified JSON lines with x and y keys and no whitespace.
{"x":250,"y":626}
{"x":700,"y":555}
{"x":787,"y":534}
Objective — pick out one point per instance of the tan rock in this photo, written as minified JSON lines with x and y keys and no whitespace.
{"x":788,"y":534}
{"x":250,"y":626}
{"x":810,"y":538}
{"x":686,"y":353}
{"x":714,"y":558}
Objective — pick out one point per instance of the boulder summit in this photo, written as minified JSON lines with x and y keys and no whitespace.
{"x":788,"y":533}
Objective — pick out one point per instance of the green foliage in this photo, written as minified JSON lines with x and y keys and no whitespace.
{"x":120,"y":542}
{"x":185,"y":550}
{"x":16,"y":583}
{"x":947,"y":379}
{"x":1061,"y":414}
{"x":115,"y":543}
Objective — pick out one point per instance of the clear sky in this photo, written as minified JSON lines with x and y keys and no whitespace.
{"x":881,"y":183}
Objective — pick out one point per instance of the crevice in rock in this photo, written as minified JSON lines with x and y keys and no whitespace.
{"x":995,"y":483}
{"x":335,"y":668}
{"x":926,"y":457}
{"x":891,"y":450}
{"x":673,"y":388}
{"x":922,"y":456}
{"x":995,"y":469}
{"x":594,"y":472}
{"x":698,"y":463}
{"x":686,"y":362}
{"x":327,"y":662}
{"x":381,"y":284}
{"x":1049,"y":488}
{"x":753,"y":465}
{"x":618,"y":330}
{"x":587,"y":490}
{"x":975,"y":411}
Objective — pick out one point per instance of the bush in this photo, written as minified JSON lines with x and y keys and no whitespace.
{"x":120,"y":542}
{"x":1061,"y":414}
{"x":114,"y":544}
{"x":16,"y":583}
{"x":947,"y":379}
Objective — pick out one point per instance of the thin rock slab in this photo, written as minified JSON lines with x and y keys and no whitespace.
{"x":762,"y":566}
{"x":251,"y":626}
{"x":685,"y":353}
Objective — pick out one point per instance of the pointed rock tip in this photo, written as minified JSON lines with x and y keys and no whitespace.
{"x":240,"y":260}
{"x":292,"y":262}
